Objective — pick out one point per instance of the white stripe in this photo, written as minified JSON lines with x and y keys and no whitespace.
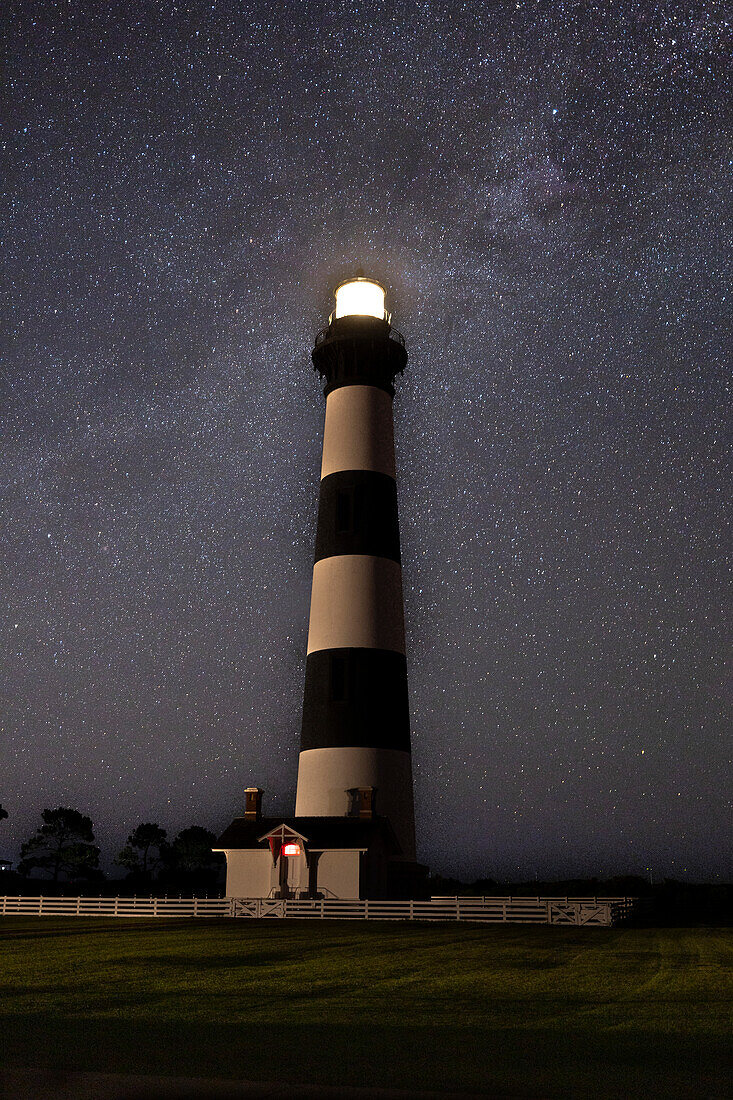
{"x":326,"y":775}
{"x":356,"y":601}
{"x":359,"y":433}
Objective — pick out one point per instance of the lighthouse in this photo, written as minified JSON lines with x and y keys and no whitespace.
{"x":356,"y":730}
{"x":353,"y":832}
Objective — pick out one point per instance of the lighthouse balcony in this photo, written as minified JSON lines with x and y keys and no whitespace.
{"x":329,"y":332}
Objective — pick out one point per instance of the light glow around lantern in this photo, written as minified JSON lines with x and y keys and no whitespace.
{"x":291,"y":850}
{"x":361,"y":297}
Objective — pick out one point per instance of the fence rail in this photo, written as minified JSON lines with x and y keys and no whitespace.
{"x":514,"y":910}
{"x":600,"y":912}
{"x":115,"y":907}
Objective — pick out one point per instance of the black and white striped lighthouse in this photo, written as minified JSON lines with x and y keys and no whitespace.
{"x":355,"y":740}
{"x":353,"y":832}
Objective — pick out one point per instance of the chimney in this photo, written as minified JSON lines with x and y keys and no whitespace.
{"x":362,"y":802}
{"x":253,"y":804}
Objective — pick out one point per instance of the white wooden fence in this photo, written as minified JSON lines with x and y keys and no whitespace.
{"x":508,"y":910}
{"x":511,"y":910}
{"x":115,"y":907}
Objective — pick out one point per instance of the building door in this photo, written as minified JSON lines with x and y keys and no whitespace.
{"x":284,"y":890}
{"x":313,"y":858}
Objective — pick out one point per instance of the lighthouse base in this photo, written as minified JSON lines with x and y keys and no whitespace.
{"x":328,"y":776}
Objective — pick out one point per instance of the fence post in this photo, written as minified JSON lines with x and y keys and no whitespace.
{"x":78,"y":906}
{"x":412,"y":911}
{"x":503,"y":910}
{"x":40,"y":905}
{"x":323,"y":908}
{"x":195,"y":907}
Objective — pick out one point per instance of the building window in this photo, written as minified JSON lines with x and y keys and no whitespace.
{"x":354,"y":508}
{"x":338,"y":679}
{"x":359,"y":508}
{"x":343,"y":511}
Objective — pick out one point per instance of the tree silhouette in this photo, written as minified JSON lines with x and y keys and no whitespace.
{"x":190,"y":862}
{"x":3,"y":812}
{"x":62,"y":845}
{"x":191,"y":853}
{"x":145,"y":849}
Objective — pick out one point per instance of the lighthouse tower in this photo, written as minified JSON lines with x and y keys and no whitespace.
{"x":355,"y":740}
{"x":353,"y":833}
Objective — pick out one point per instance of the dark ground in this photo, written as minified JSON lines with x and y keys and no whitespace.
{"x":503,"y":1011}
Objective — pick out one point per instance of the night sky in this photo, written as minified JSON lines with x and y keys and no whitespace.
{"x":545,"y":190}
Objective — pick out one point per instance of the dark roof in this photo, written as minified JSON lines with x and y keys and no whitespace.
{"x":319,"y":832}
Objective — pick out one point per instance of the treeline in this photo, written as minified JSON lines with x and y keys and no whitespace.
{"x":62,"y":853}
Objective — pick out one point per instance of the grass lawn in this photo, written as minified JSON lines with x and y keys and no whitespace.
{"x":514,"y":1010}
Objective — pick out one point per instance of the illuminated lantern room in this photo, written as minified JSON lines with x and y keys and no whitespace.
{"x":360,"y":297}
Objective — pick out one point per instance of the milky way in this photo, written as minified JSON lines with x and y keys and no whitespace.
{"x":545,"y":190}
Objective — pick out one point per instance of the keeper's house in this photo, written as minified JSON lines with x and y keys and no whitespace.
{"x":309,"y":857}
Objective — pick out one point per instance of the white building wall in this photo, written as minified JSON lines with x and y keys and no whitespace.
{"x":252,"y":874}
{"x":249,"y":873}
{"x":338,"y":874}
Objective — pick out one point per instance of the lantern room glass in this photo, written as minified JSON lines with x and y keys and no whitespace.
{"x":360,"y":297}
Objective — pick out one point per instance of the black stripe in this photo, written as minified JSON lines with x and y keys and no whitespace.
{"x":357,"y":514}
{"x":355,"y":697}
